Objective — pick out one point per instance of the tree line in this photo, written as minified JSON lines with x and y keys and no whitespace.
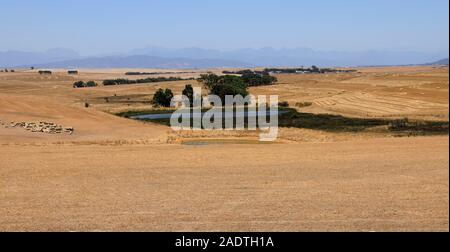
{"x":141,"y":81}
{"x":156,"y":73}
{"x":312,"y":69}
{"x":254,"y":78}
{"x":82,"y":84}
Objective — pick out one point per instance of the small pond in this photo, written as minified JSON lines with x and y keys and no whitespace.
{"x":198,"y":115}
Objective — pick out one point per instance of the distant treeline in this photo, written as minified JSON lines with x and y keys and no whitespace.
{"x":155,"y":73}
{"x":248,"y":79}
{"x":241,"y":72}
{"x":254,"y":78}
{"x":141,"y":81}
{"x":302,"y":70}
{"x":50,"y":72}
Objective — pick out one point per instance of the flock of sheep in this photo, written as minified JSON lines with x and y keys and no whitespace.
{"x":44,"y":127}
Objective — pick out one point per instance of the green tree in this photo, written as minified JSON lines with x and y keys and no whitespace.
{"x":224,"y":85}
{"x":189,"y":93}
{"x":163,"y":97}
{"x":209,"y":80}
{"x":230,"y":85}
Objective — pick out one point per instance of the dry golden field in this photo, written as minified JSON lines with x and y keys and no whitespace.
{"x":116,"y":174}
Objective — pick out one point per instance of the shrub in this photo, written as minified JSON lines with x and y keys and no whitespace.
{"x":91,"y":84}
{"x":283,"y":104}
{"x":399,"y":124}
{"x":82,"y":84}
{"x":79,"y":84}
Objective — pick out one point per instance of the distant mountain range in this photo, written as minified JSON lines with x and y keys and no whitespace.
{"x":142,"y":61}
{"x":19,"y":58}
{"x":297,"y":57}
{"x":159,"y":57}
{"x":439,"y":62}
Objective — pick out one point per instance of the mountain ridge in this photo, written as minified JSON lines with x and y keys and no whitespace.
{"x":439,"y":62}
{"x":142,"y":61}
{"x":14,"y":58}
{"x":160,"y":57}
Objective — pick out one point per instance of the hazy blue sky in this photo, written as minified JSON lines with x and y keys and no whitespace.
{"x":104,"y":26}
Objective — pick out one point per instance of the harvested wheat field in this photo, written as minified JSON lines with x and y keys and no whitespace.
{"x":116,"y":174}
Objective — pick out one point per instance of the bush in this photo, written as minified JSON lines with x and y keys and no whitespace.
{"x":91,"y":84}
{"x":82,"y":84}
{"x":79,"y":84}
{"x":162,"y":97}
{"x":284,"y":104}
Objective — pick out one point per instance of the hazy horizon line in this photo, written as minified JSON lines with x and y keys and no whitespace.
{"x":129,"y":51}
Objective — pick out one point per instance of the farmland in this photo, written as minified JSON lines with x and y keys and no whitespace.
{"x":118,"y":174}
